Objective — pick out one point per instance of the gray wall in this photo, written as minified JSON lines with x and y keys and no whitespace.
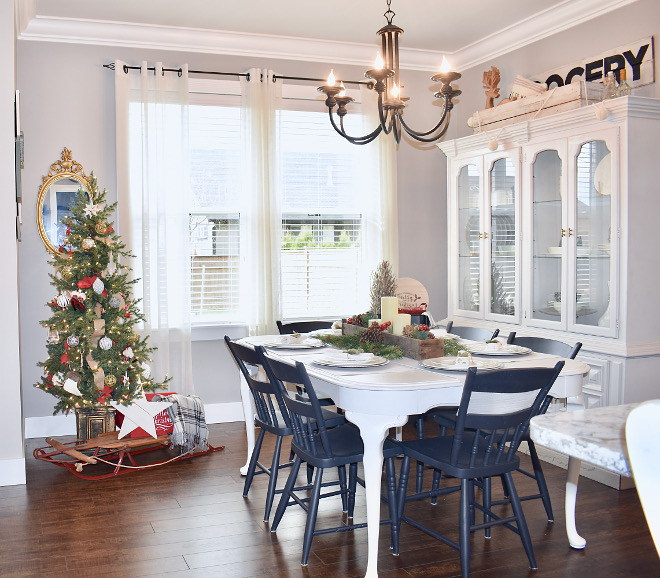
{"x":68,"y":100}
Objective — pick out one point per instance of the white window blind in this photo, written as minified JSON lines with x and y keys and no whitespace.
{"x":215,"y":167}
{"x":322,"y":221}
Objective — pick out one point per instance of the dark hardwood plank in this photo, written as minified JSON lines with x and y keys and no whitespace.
{"x":189,"y":519}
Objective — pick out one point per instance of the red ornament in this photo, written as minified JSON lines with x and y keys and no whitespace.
{"x":87,"y":282}
{"x":65,"y":358}
{"x":107,"y":393}
{"x":77,"y":303}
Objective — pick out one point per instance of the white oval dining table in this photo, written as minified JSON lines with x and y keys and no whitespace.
{"x":378,"y":398}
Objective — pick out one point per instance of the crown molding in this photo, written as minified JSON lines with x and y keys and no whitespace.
{"x":547,"y":23}
{"x":114,"y":33}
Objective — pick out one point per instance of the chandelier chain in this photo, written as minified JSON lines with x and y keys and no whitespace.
{"x":389,"y":15}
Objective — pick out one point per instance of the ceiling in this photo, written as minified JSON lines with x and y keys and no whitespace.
{"x":468,"y":32}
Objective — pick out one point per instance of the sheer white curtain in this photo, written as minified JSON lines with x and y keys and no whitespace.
{"x":260,"y":291}
{"x":152,"y":190}
{"x":382,"y":224}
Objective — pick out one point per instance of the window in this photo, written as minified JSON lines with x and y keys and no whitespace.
{"x":323,"y":214}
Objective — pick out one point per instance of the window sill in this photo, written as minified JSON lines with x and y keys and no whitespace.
{"x":216,"y":332}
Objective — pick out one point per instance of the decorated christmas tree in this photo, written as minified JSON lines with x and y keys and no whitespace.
{"x":95,"y":354}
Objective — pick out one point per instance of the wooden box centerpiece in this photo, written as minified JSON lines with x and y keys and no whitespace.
{"x":413,"y":348}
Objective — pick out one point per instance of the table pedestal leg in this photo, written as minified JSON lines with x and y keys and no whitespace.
{"x":248,"y":413}
{"x":373,"y":429}
{"x":576,"y":541}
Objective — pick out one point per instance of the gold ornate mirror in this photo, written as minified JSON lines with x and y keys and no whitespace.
{"x":56,"y":194}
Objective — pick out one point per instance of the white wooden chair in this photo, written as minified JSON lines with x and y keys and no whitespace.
{"x":644,"y":461}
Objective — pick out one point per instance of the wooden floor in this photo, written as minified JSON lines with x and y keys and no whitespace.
{"x":189,"y":519}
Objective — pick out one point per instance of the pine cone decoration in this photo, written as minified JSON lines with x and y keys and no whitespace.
{"x":408,"y":331}
{"x":359,"y":320}
{"x":372,"y":335}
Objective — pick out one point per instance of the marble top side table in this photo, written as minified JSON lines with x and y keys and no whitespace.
{"x":597,"y":436}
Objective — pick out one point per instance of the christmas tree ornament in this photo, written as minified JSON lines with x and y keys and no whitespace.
{"x":63,"y":301}
{"x":100,"y":227}
{"x":110,"y":380}
{"x":77,"y":303}
{"x":92,"y":210}
{"x":146,"y":370}
{"x":71,"y":383}
{"x":88,"y":243}
{"x":128,"y":353}
{"x":105,"y":343}
{"x":53,"y":336}
{"x":116,"y":301}
{"x":72,"y":340}
{"x":120,"y":320}
{"x":67,"y":273}
{"x":98,"y":286}
{"x":79,"y":294}
{"x":126,"y":380}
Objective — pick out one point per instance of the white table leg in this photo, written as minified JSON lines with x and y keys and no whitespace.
{"x":248,"y":413}
{"x":373,"y":429}
{"x":576,"y":541}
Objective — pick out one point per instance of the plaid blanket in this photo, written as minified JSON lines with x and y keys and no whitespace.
{"x":187,"y":415}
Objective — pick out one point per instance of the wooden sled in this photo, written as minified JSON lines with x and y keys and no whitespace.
{"x":108,"y":449}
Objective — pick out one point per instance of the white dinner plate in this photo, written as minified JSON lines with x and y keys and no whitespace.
{"x":480,"y":349}
{"x":308,"y":343}
{"x":334,"y":362}
{"x":449,"y":364}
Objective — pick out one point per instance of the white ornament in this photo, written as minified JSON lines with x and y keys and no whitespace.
{"x":105,"y":343}
{"x":63,"y":301}
{"x":115,"y":301}
{"x":71,"y":387}
{"x":492,"y":145}
{"x":126,"y":380}
{"x":128,"y":352}
{"x":146,"y":370}
{"x":98,"y":286}
{"x":120,"y":320}
{"x":140,"y":414}
{"x":79,"y":294}
{"x":92,"y":209}
{"x":72,"y":340}
{"x":88,"y":244}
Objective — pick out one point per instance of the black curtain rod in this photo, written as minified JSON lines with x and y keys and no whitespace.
{"x":179,"y":71}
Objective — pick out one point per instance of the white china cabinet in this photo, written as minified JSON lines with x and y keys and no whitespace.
{"x":552,"y":235}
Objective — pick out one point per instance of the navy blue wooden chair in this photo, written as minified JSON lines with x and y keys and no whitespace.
{"x":322,"y":448}
{"x":493,"y":416}
{"x":472,"y":333}
{"x":302,"y":326}
{"x":271,"y":416}
{"x":544,"y":345}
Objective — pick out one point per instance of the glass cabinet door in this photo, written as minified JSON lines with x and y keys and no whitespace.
{"x":503,"y":234}
{"x":548,"y":236}
{"x":592,"y":235}
{"x":469,"y":237}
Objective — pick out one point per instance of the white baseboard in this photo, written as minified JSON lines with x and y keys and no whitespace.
{"x":590,"y":471}
{"x":224,"y":412}
{"x":50,"y":425}
{"x":65,"y":425}
{"x":12,"y":472}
